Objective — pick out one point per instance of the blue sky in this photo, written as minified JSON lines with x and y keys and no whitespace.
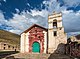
{"x":18,"y":15}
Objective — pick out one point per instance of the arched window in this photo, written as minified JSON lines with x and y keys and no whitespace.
{"x":55,"y":23}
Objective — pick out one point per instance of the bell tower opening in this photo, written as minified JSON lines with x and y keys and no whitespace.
{"x":55,"y":23}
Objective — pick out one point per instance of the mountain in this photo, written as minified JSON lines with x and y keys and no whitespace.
{"x":9,"y":37}
{"x":78,"y":37}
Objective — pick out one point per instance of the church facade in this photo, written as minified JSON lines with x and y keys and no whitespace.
{"x":34,"y":39}
{"x":38,"y":39}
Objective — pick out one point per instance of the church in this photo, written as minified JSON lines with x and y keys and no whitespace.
{"x":38,"y":39}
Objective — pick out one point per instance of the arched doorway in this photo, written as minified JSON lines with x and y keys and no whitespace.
{"x":36,"y":47}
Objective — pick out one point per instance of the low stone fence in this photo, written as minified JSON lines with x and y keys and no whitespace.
{"x":75,"y":53}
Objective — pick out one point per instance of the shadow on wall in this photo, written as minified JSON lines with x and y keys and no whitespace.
{"x":58,"y":52}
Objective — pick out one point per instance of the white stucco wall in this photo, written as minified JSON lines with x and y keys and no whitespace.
{"x":45,"y":41}
{"x":51,"y":41}
{"x":22,"y":43}
{"x":27,"y":43}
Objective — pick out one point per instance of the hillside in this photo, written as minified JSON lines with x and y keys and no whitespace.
{"x":9,"y":37}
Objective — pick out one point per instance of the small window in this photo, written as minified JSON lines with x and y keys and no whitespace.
{"x":13,"y":47}
{"x":55,"y":33}
{"x":8,"y":46}
{"x":60,"y":28}
{"x":35,"y":35}
{"x":4,"y":44}
{"x":39,"y":37}
{"x":4,"y":48}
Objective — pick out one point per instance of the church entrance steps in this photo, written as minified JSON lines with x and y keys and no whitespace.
{"x":39,"y":56}
{"x":31,"y":56}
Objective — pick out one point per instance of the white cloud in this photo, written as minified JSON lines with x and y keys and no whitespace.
{"x":78,"y":13}
{"x":2,"y":19}
{"x":4,"y":0}
{"x":71,"y":20}
{"x":67,"y":12}
{"x":71,"y":3}
{"x":53,"y":5}
{"x":42,"y":13}
{"x":25,"y":19}
{"x":0,"y":4}
{"x":18,"y":22}
{"x":28,"y":4}
{"x":17,"y":10}
{"x":15,"y":31}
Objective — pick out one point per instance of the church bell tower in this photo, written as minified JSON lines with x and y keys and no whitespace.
{"x":56,"y":34}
